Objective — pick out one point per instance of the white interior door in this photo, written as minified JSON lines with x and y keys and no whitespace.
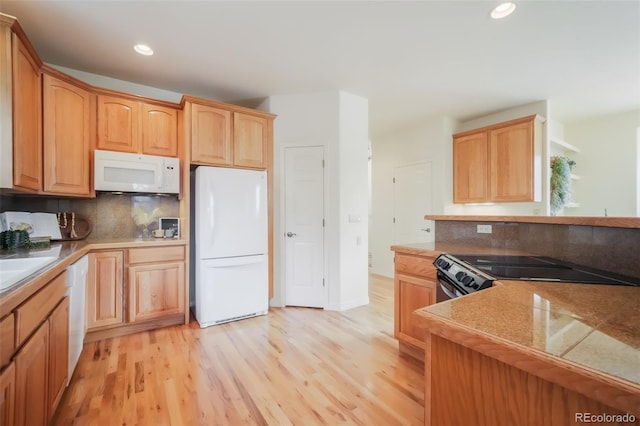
{"x":304,"y":228}
{"x":411,"y":201}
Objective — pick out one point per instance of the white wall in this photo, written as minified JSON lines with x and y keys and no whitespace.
{"x":429,"y":140}
{"x":354,"y":202}
{"x":338,"y":122}
{"x":607,"y":164}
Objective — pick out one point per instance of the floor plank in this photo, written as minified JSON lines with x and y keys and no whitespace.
{"x":295,"y":366}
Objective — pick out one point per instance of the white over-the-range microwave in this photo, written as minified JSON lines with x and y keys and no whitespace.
{"x":126,"y":172}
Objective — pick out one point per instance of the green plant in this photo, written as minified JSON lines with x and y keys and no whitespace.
{"x":14,"y":238}
{"x":560,"y":183}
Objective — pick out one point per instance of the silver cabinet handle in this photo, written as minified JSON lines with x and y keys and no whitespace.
{"x":290,"y":234}
{"x":426,"y":229}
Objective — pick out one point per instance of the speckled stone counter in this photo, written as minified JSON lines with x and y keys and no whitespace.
{"x":592,"y":332}
{"x":67,"y":253}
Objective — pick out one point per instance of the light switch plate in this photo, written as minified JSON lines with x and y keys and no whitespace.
{"x":485,"y":229}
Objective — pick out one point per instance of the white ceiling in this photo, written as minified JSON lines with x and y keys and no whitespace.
{"x":410,"y":59}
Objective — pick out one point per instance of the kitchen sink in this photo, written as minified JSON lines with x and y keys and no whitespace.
{"x":14,"y":270}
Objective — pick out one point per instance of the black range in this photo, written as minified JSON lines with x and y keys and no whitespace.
{"x":460,"y":274}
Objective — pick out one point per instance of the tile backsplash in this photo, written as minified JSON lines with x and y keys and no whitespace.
{"x":112,"y":216}
{"x":610,"y":249}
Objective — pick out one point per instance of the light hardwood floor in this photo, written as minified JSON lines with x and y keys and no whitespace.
{"x":295,"y":366}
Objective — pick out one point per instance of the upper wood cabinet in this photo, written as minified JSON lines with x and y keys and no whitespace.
{"x":470,"y":165}
{"x":159,"y":130}
{"x":210,"y":135}
{"x":129,"y":125}
{"x":27,"y":117}
{"x":227,"y":135}
{"x":250,"y":140}
{"x":69,"y":123}
{"x":118,"y":124}
{"x":497,"y":163}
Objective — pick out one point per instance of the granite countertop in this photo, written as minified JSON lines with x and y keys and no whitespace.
{"x":67,"y":252}
{"x":593,"y":327}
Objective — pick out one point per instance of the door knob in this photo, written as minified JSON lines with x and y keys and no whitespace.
{"x":290,"y":234}
{"x":426,"y":229}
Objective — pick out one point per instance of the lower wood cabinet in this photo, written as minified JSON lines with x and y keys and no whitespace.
{"x":105,"y":289}
{"x":41,"y":372}
{"x":135,"y":289}
{"x":8,"y":395}
{"x":415,"y":284}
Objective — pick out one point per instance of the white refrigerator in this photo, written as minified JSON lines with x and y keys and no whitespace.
{"x":231,"y":244}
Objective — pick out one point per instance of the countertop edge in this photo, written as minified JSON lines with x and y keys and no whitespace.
{"x":14,"y":296}
{"x":609,"y":390}
{"x":613,"y":222}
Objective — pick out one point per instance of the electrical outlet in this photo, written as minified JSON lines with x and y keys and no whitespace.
{"x":485,"y":229}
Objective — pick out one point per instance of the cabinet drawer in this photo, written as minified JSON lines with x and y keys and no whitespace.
{"x":35,"y":310}
{"x":415,"y":265}
{"x":7,"y":339}
{"x":156,"y":254}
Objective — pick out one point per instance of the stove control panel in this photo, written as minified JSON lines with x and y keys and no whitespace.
{"x":461,"y":274}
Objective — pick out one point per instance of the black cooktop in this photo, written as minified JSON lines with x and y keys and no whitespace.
{"x":542,"y":269}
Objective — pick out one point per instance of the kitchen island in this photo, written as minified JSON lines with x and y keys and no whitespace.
{"x":533,"y":353}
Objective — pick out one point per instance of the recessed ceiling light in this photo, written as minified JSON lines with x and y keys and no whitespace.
{"x":143,"y":49}
{"x":503,"y":10}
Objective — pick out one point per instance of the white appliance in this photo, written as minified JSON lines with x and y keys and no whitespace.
{"x":126,"y":172}
{"x":231,"y":248}
{"x":76,"y":290}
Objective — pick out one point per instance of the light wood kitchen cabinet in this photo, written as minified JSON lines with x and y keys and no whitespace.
{"x":118,"y":124}
{"x":498,"y":163}
{"x":129,"y":125}
{"x":227,"y":135}
{"x":32,"y":374}
{"x":136,"y":289}
{"x":470,"y":165}
{"x":7,"y":339}
{"x":39,"y":358}
{"x":156,"y":282}
{"x":211,"y":142}
{"x":8,"y":395}
{"x":250,"y":140}
{"x":415,"y":284}
{"x":159,"y":130}
{"x":105,"y":289}
{"x":27,"y":118}
{"x":69,"y":127}
{"x":58,"y":354}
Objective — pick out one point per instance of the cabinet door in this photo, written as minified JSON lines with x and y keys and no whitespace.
{"x":250,"y":136}
{"x":210,"y":135}
{"x":27,"y":119}
{"x":105,"y":289}
{"x":470,"y":159}
{"x":67,"y":137}
{"x":8,"y":395}
{"x":411,"y":293}
{"x":159,"y":130}
{"x":32,"y":374}
{"x":58,"y":354}
{"x":156,"y":290}
{"x":118,"y":124}
{"x":511,"y":167}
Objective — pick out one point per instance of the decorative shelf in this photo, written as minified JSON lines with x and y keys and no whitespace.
{"x":565,"y":145}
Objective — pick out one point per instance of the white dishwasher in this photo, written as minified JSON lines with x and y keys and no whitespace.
{"x":76,"y":289}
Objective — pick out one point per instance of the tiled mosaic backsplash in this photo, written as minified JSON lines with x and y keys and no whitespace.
{"x":609,"y":249}
{"x":112,"y":216}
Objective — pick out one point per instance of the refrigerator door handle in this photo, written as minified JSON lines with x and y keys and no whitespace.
{"x":229,"y":262}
